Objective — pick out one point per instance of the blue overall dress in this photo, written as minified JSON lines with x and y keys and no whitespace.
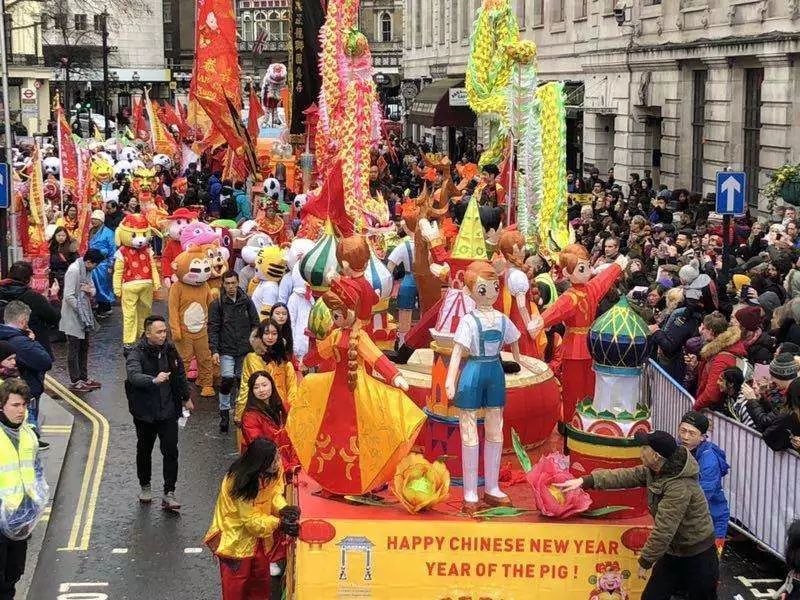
{"x":483,"y":383}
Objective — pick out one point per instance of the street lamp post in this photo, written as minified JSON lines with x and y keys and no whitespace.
{"x":8,"y":217}
{"x":104,"y":31}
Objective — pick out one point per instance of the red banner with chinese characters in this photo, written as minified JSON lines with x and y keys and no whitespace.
{"x":141,"y":130}
{"x":216,"y":61}
{"x":67,"y":153}
{"x":163,"y":141}
{"x":254,"y":113}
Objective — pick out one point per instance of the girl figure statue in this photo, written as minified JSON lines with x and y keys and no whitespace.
{"x":479,"y":337}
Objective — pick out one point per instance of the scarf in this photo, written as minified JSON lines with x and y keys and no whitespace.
{"x":84,"y":305}
{"x":752,"y":338}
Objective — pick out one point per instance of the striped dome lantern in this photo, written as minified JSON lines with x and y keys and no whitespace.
{"x":320,"y":261}
{"x":320,"y":320}
{"x":381,"y":280}
{"x":618,"y":340}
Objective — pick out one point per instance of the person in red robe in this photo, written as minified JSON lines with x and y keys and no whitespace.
{"x":577,"y":308}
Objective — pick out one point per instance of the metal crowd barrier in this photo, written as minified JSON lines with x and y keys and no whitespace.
{"x":762,"y":485}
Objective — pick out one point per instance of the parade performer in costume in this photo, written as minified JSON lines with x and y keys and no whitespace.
{"x":143,"y":188}
{"x":175,"y":224}
{"x":352,"y":253}
{"x":480,"y":335}
{"x":515,"y":300}
{"x":403,"y":254}
{"x":298,"y":299}
{"x":270,"y":268}
{"x":273,"y":224}
{"x":349,"y":429}
{"x":251,"y":522}
{"x":577,"y":308}
{"x":189,"y":299}
{"x":135,"y":275}
{"x":218,"y":257}
{"x":269,"y":354}
{"x":102,"y":238}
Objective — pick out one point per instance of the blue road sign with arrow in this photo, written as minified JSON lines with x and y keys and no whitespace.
{"x":5,"y":185}
{"x":731,"y":192}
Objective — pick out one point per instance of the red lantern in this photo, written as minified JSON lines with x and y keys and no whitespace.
{"x":635,"y":538}
{"x":316,"y":532}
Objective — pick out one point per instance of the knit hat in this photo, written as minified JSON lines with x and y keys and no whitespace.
{"x":6,"y":350}
{"x":688,"y":274}
{"x":739,"y":281}
{"x":769,"y":301}
{"x":697,"y":420}
{"x":98,"y":215}
{"x":783,"y":367}
{"x":749,"y":317}
{"x":660,"y":441}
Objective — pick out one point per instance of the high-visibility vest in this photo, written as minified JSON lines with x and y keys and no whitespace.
{"x":547,"y":280}
{"x":17,"y":474}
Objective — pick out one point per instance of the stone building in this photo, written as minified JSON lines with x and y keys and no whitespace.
{"x":264,"y":32}
{"x":683,"y":88}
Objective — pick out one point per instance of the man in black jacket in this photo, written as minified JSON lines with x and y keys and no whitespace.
{"x":231,"y":319}
{"x":157,"y":392}
{"x":45,"y":317}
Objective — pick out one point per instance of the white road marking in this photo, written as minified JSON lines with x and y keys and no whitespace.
{"x":65,"y":587}
{"x":192,"y":550}
{"x":119,"y":551}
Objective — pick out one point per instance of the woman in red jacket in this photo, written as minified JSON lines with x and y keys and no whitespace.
{"x":265,"y":416}
{"x":723,"y":347}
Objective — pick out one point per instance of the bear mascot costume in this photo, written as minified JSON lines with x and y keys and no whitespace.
{"x":135,"y":275}
{"x":175,"y":224}
{"x":189,"y":298}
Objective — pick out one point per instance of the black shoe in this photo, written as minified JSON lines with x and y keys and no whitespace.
{"x":224,"y":421}
{"x":401,"y":355}
{"x":43,"y":445}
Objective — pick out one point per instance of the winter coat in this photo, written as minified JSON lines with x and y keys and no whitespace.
{"x":762,"y":350}
{"x":214,"y":188}
{"x":44,"y":316}
{"x":256,"y":424}
{"x":682,"y":522}
{"x":792,"y":284}
{"x":141,"y":366}
{"x":713,"y":467}
{"x":230,"y":323}
{"x":243,"y":204}
{"x":71,"y":322}
{"x":680,"y":327}
{"x":33,"y":361}
{"x":777,"y":435}
{"x":60,"y":260}
{"x":715,"y":357}
{"x":103,"y":240}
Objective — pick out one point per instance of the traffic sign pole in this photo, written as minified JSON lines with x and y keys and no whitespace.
{"x":731,"y":200}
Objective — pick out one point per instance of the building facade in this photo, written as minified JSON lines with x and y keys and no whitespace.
{"x":72,"y":37}
{"x":28,"y":78}
{"x":683,"y":88}
{"x":264,"y":31}
{"x":381,"y":21}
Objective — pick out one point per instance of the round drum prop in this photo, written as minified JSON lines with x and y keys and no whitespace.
{"x":588,"y":452}
{"x":441,"y":440}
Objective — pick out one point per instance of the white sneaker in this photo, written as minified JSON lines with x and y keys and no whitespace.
{"x":168,"y":502}
{"x":146,"y":495}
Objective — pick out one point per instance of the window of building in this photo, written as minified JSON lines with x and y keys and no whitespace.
{"x":168,"y":42}
{"x":466,"y":19}
{"x":538,"y":12}
{"x":247,"y":28}
{"x":8,"y":28}
{"x":386,"y":27}
{"x":753,"y":78}
{"x":651,"y":2}
{"x":521,"y":10}
{"x":60,"y":21}
{"x":698,"y":127}
{"x":580,"y":9}
{"x":80,"y":22}
{"x":259,"y":25}
{"x":418,"y":24}
{"x":98,"y":23}
{"x":276,"y":26}
{"x":167,"y":11}
{"x":429,"y":28}
{"x":557,"y":11}
{"x":409,"y":14}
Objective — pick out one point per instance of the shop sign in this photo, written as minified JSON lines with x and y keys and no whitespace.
{"x":458,"y":97}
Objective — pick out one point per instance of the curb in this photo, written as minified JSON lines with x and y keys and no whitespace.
{"x":57,"y":425}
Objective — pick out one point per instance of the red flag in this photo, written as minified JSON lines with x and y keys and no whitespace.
{"x":330,"y":202}
{"x":170,"y":117}
{"x":68,"y":154}
{"x":216,"y":61}
{"x":141,"y":130}
{"x":255,"y":112}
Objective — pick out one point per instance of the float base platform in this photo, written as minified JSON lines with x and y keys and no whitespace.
{"x":350,"y":550}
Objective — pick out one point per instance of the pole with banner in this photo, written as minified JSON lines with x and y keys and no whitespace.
{"x":8,"y":219}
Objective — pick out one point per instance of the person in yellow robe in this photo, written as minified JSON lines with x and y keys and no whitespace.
{"x":251,"y":525}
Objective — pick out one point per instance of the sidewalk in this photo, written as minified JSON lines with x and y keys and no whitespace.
{"x":56,"y":423}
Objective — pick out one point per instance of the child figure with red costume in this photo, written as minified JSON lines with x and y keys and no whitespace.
{"x":577,"y":308}
{"x":176,"y":222}
{"x":353,"y":256}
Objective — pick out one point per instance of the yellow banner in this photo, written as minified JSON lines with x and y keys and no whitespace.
{"x":445,"y":560}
